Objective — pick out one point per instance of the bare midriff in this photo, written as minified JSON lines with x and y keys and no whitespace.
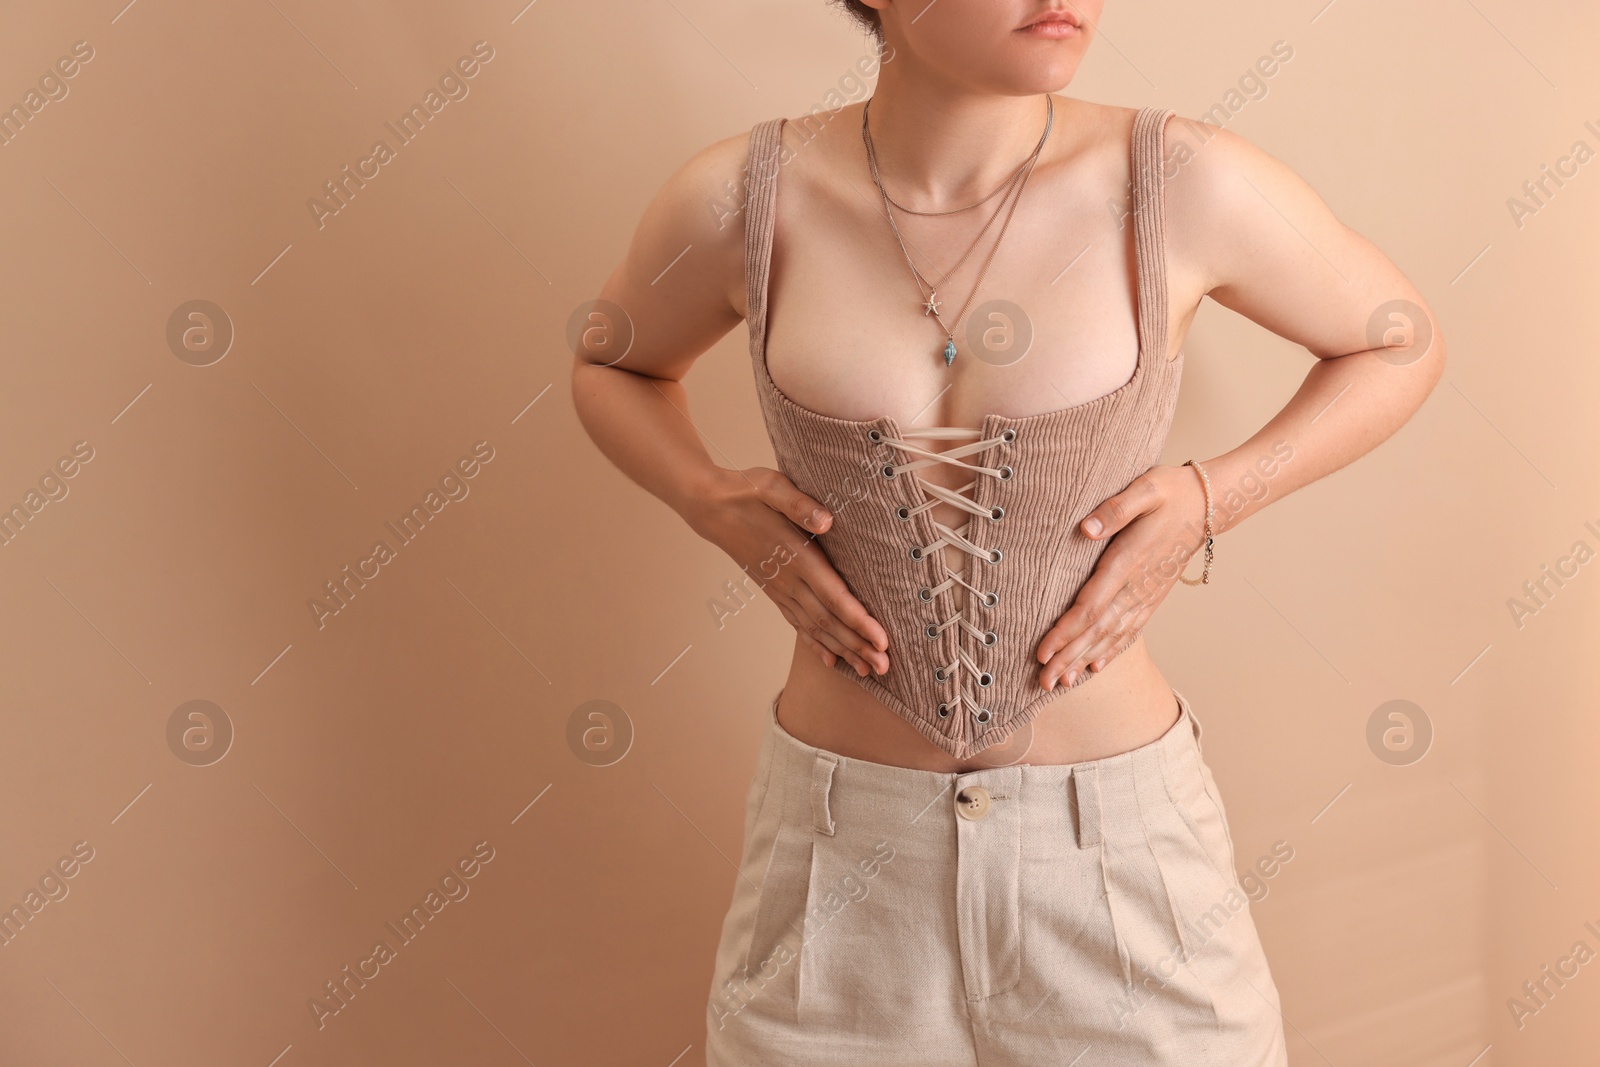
{"x":833,"y":296}
{"x":1125,"y":706}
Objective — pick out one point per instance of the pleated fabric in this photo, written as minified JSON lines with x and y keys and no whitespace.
{"x":1090,"y":910}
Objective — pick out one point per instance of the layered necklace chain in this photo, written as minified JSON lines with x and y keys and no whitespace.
{"x":929,"y":292}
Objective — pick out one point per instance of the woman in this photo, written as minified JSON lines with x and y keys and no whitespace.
{"x":980,"y":829}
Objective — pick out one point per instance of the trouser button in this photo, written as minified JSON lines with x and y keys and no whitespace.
{"x":972,"y":802}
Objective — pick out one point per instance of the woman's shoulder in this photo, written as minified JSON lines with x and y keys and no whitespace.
{"x":712,"y":179}
{"x":1098,"y":131}
{"x":1211,"y":160}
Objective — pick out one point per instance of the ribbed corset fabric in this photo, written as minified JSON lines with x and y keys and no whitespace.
{"x":965,"y":607}
{"x":958,"y":539}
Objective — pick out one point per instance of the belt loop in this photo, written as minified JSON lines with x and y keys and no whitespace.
{"x":1194,"y":723}
{"x":1086,"y":793}
{"x":821,"y":785}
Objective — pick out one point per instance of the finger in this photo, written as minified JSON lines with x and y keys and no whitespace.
{"x":1131,"y":638}
{"x":817,"y":635}
{"x":1103,"y":657}
{"x":830,"y":589}
{"x":1118,"y":638}
{"x":1092,"y":600}
{"x":818,"y":631}
{"x":836,"y":635}
{"x":1117,"y":511}
{"x":1101,"y":633}
{"x":1137,"y":603}
{"x":806,"y":619}
{"x":828,"y":658}
{"x":1127,"y":642}
{"x":780,"y":494}
{"x":1134,"y":620}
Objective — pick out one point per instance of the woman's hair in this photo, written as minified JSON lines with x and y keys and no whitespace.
{"x":866,"y":16}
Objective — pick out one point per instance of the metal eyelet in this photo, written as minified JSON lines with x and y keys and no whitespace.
{"x":990,"y":637}
{"x":916,"y":552}
{"x":944,"y":710}
{"x":1005,"y":473}
{"x":991,"y":599}
{"x":874,"y":436}
{"x":996,"y":513}
{"x":982,"y":715}
{"x":903,"y":512}
{"x":1008,"y":436}
{"x":994,"y":556}
{"x":985,"y":680}
{"x":932,"y":630}
{"x":888,"y":470}
{"x":925,"y":594}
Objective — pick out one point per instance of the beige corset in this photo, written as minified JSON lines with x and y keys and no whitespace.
{"x":966,"y":607}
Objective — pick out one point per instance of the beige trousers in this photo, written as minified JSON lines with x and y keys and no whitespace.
{"x":1084,"y":914}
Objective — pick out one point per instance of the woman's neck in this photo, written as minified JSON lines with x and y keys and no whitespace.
{"x":940,"y":146}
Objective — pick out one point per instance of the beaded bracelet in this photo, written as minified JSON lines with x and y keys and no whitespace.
{"x":1205,"y":574}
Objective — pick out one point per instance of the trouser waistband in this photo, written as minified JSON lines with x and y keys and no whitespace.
{"x":1098,"y":792}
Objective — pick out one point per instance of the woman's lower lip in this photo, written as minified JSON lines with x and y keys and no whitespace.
{"x":1050,"y":28}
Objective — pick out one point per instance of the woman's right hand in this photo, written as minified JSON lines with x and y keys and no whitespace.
{"x":752,"y":515}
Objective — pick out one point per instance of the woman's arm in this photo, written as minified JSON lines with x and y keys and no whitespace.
{"x":679,"y":289}
{"x":668,"y":301}
{"x":1247,"y":231}
{"x":1272,"y":250}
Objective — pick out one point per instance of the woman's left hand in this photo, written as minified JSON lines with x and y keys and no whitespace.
{"x":1157,"y":525}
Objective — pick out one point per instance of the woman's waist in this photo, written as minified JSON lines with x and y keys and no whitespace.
{"x":1124,"y":707}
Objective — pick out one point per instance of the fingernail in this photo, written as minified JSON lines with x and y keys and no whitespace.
{"x":816,"y":518}
{"x":1093,"y":527}
{"x":1071,"y":675}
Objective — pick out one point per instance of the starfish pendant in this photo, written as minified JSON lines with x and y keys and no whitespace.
{"x":931,"y":306}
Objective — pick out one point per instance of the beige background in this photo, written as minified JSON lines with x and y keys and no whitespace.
{"x":372,"y":752}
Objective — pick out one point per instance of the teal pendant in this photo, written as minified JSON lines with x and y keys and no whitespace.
{"x":949,"y":352}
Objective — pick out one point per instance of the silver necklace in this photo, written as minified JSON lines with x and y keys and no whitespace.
{"x":929,"y":299}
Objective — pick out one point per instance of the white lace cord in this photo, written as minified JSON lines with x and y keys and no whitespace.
{"x":949,"y":538}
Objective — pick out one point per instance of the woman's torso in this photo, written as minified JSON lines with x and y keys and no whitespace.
{"x":840,"y":339}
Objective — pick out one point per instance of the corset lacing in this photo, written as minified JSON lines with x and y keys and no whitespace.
{"x":949,"y":538}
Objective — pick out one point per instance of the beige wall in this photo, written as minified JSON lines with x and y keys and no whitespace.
{"x":371,"y":353}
